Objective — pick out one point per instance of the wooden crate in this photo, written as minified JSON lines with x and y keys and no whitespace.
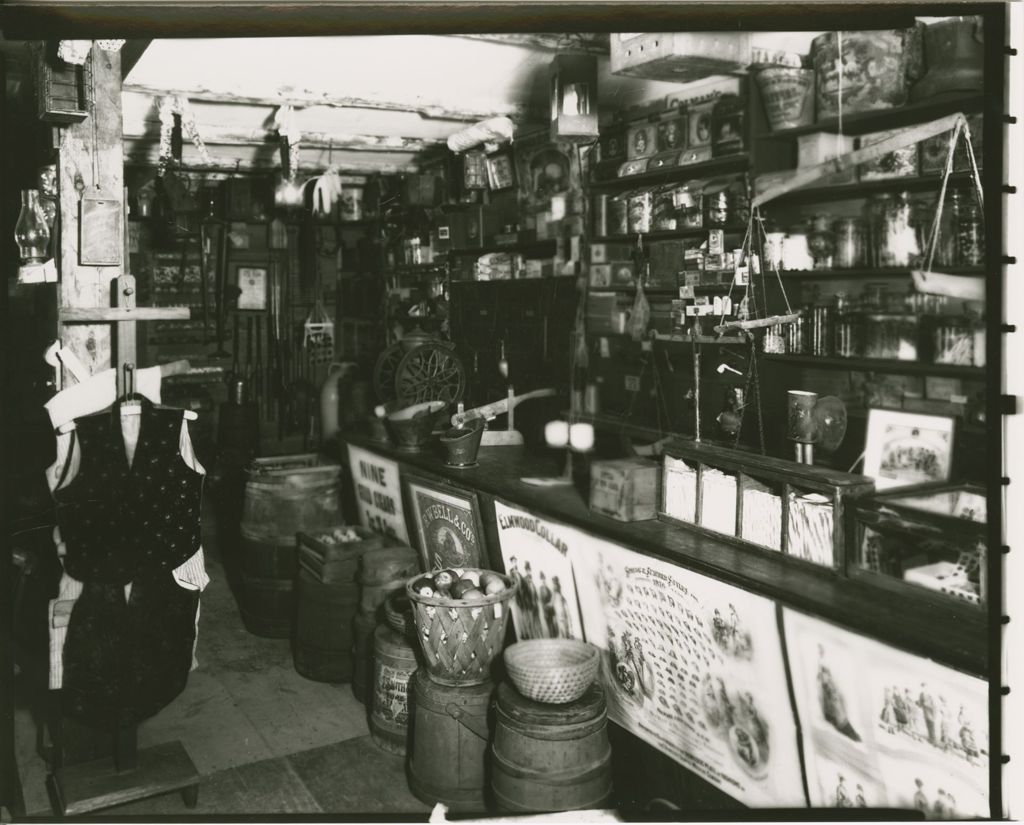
{"x":63,"y":91}
{"x":786,"y":476}
{"x":625,"y":489}
{"x":680,"y":56}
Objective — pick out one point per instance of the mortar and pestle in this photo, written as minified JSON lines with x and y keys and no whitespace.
{"x":463,"y":443}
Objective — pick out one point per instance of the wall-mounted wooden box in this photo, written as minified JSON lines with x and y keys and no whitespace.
{"x":680,"y":56}
{"x":760,"y":502}
{"x":63,"y":91}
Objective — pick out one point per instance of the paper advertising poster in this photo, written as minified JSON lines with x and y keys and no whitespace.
{"x":886,"y":728}
{"x":378,"y":493}
{"x":447,"y":525}
{"x":536,"y":554}
{"x":694,"y":667}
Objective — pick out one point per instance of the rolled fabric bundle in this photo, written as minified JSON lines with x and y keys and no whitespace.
{"x":493,"y":130}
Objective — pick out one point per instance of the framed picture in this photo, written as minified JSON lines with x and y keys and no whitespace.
{"x":448,"y":529}
{"x":905,"y":448}
{"x":252,"y":279}
{"x":474,"y":170}
{"x":501,"y":170}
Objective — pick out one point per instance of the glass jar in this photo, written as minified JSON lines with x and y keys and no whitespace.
{"x":971,"y":236}
{"x":821,"y":334}
{"x":875,"y":210}
{"x":954,"y":341}
{"x":30,"y":231}
{"x":948,"y":252}
{"x":821,"y":242}
{"x":848,"y":329}
{"x":890,"y":336}
{"x":849,"y":243}
{"x":716,"y":206}
{"x":689,"y":206}
{"x":898,"y":238}
{"x":639,"y":213}
{"x":978,"y":329}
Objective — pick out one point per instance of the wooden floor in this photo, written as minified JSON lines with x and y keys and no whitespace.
{"x":264,"y":739}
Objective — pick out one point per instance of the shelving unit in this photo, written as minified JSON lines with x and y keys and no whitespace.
{"x":879,"y":365}
{"x":862,"y":189}
{"x":871,"y":272}
{"x":667,"y":235}
{"x":716,"y":167}
{"x":532,"y":249}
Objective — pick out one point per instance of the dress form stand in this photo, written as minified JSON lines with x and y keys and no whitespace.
{"x":133,"y":773}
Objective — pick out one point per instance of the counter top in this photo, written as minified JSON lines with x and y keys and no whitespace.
{"x":952,"y":634}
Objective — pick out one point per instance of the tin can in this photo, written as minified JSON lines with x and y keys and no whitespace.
{"x":599,"y":215}
{"x":671,"y":135}
{"x":618,"y":215}
{"x":689,"y":206}
{"x":640,"y":141}
{"x":639,"y":212}
{"x":716,"y":207}
{"x":664,"y":215}
{"x":699,"y":131}
{"x":727,"y":126}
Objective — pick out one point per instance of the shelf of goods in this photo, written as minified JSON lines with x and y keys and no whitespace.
{"x":717,"y":167}
{"x":879,"y":365}
{"x":693,"y":233}
{"x":544,"y":248}
{"x":760,"y":502}
{"x":862,"y":189}
{"x":457,"y":282}
{"x":870,"y":272}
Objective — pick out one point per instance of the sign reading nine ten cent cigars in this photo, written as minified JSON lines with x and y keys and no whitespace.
{"x":378,"y":493}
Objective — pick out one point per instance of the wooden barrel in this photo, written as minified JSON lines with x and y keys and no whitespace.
{"x":449,"y":742}
{"x":282,"y":496}
{"x":383,"y":571}
{"x":394,"y":662}
{"x":364,"y":627}
{"x":324,"y":634}
{"x":550,"y":757}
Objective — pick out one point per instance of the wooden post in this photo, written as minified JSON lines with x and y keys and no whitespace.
{"x":90,"y":155}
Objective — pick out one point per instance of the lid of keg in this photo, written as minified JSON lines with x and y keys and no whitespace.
{"x":515,"y":705}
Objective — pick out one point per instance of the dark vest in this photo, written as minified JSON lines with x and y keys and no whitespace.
{"x":124,"y":660}
{"x":118,"y":521}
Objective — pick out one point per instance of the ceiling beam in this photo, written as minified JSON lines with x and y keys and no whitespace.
{"x":150,"y":131}
{"x":131,"y":51}
{"x":304,"y":98}
{"x":595,"y":44}
{"x":147,"y":154}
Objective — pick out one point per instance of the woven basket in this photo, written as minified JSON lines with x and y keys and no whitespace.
{"x":554,"y":671}
{"x":460,"y":638}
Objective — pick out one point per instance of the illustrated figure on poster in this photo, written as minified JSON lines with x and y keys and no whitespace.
{"x":945,"y":739}
{"x":918,"y":727}
{"x":709,"y":702}
{"x":967,"y":735}
{"x":939,"y":807}
{"x":748,"y":717}
{"x":621,"y":658}
{"x":888,"y":714}
{"x":842,"y":794}
{"x":901,"y":710}
{"x":561,"y":610}
{"x":609,"y":584}
{"x":520,"y":598}
{"x":920,"y":799}
{"x":859,"y":799}
{"x":730,"y":637}
{"x":644,"y":671}
{"x":926,"y":702}
{"x":833,"y":705}
{"x":745,"y":748}
{"x":546,"y":608}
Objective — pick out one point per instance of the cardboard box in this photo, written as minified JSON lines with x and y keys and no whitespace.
{"x":666,"y":260}
{"x":611,"y":144}
{"x":600,"y":275}
{"x":932,"y":152}
{"x":625,"y":489}
{"x":603,"y":253}
{"x":901,"y":163}
{"x":818,"y":147}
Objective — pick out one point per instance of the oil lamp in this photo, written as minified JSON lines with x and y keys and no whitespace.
{"x":574,"y":98}
{"x":31,"y":231}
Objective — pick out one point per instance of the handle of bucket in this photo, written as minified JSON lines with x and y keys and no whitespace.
{"x":469,"y":722}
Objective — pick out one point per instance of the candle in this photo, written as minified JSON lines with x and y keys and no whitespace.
{"x":581,"y":437}
{"x":556,"y":433}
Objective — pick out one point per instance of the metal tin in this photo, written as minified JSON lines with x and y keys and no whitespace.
{"x":689,"y":206}
{"x":618,"y":215}
{"x":641,"y":141}
{"x":727,"y":126}
{"x":599,"y":215}
{"x":716,"y":207}
{"x":671,"y":133}
{"x":664,"y":215}
{"x":699,"y":125}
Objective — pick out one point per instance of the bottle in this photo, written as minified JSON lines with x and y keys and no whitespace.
{"x":31,"y":232}
{"x":971,"y":235}
{"x":948,"y":253}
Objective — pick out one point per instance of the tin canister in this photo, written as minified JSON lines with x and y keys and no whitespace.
{"x":618,"y":215}
{"x":671,"y":133}
{"x":599,"y":214}
{"x":716,"y":206}
{"x":699,"y":131}
{"x":727,"y":126}
{"x":664,"y":216}
{"x":641,"y":141}
{"x":688,"y":205}
{"x":639,"y":212}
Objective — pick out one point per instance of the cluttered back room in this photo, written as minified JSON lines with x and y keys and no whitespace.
{"x":515,"y":423}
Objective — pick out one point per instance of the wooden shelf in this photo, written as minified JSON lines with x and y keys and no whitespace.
{"x":861,"y":123}
{"x":543,"y":249}
{"x":878,"y":365}
{"x":555,"y":278}
{"x":871,"y":272}
{"x":852,"y":191}
{"x":667,"y":235}
{"x":674,"y":174}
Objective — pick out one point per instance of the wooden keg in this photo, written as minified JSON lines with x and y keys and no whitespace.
{"x":283,"y":495}
{"x":383,"y":571}
{"x":449,"y":742}
{"x":394,"y":662}
{"x":324,"y":633}
{"x":364,"y":627}
{"x":550,"y":757}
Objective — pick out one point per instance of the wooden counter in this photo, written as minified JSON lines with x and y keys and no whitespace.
{"x":952,"y":634}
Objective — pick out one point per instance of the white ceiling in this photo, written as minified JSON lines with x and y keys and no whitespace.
{"x":385,"y":98}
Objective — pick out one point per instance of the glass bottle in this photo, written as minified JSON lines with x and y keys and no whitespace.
{"x":898,"y":238}
{"x":849,"y":243}
{"x":821,"y":242}
{"x":31,"y":232}
{"x":948,"y":253}
{"x":971,"y":236}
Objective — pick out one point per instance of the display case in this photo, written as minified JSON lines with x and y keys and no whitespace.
{"x":930,"y":536}
{"x":760,"y":502}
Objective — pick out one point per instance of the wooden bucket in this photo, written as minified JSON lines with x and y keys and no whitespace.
{"x":365,"y":626}
{"x":449,"y":742}
{"x":283,"y":495}
{"x":550,"y":757}
{"x":324,"y":634}
{"x":394,"y":662}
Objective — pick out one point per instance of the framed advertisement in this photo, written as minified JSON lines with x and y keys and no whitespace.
{"x":251,"y":274}
{"x":448,"y":528}
{"x":501,"y":170}
{"x":904,"y":448}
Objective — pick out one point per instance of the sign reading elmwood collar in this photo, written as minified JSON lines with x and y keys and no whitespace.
{"x":378,"y":493}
